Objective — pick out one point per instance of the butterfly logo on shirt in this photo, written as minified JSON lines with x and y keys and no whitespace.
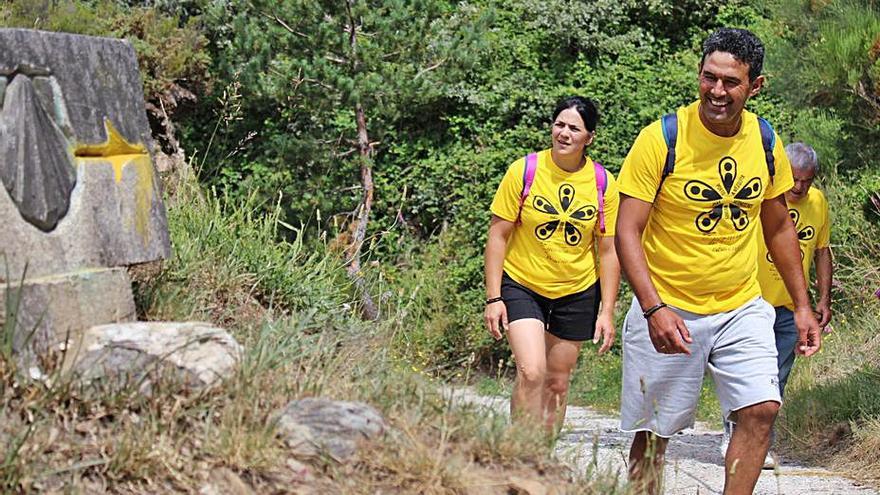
{"x":562,"y":220}
{"x":804,"y":232}
{"x":724,"y":198}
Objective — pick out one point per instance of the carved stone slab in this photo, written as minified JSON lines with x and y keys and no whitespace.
{"x":51,"y":311}
{"x":88,"y":79}
{"x":80,"y":190}
{"x":112,"y":221}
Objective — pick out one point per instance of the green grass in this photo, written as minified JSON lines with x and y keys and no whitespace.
{"x":597,"y":380}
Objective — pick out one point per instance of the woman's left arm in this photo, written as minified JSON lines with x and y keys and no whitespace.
{"x":609,"y":277}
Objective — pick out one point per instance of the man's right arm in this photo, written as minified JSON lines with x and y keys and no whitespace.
{"x":667,"y":330}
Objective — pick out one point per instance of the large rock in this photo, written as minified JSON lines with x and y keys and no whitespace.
{"x":315,"y":426}
{"x":194,"y":355}
{"x":80,"y":190}
{"x":49,"y":311}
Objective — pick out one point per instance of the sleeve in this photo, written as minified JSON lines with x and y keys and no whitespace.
{"x":643,"y":166}
{"x":824,"y":239}
{"x":612,"y":202}
{"x":783,"y":180}
{"x":506,"y":201}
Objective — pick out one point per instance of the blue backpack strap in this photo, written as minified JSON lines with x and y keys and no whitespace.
{"x":768,"y":140}
{"x":669,"y":124}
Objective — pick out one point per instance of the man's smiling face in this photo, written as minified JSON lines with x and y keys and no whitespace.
{"x":724,"y":90}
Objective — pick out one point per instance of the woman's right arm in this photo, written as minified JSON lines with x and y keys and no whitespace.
{"x":496,"y":247}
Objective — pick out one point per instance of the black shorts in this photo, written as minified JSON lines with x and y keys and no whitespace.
{"x":571,"y":317}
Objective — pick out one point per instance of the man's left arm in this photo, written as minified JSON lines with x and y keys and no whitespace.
{"x":824,"y":272}
{"x":781,"y":239}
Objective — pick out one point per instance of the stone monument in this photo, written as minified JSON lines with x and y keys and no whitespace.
{"x":80,"y":199}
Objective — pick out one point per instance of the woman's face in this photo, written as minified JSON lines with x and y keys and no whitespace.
{"x":570,"y":135}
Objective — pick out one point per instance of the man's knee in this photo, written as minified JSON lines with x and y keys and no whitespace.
{"x":758,"y":415}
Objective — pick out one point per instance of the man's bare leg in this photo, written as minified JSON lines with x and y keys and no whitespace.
{"x":646,"y":458}
{"x":748,"y":446}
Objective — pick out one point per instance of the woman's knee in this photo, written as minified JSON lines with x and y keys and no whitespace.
{"x":531,"y":374}
{"x":558,"y":383}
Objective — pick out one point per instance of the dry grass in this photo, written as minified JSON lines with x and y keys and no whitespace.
{"x":290,"y":307}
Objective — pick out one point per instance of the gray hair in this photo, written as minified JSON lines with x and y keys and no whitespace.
{"x":802,"y":156}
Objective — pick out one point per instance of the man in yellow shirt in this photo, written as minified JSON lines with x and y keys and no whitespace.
{"x":693,"y":196}
{"x":808,"y":210}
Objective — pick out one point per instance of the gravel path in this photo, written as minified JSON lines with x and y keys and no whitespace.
{"x":694,"y":464}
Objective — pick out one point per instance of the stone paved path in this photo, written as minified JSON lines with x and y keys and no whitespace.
{"x":591,"y":440}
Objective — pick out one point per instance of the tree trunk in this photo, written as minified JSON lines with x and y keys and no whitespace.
{"x":371,"y":312}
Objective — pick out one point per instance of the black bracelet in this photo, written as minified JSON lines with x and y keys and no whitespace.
{"x":653,"y":309}
{"x":494,"y":300}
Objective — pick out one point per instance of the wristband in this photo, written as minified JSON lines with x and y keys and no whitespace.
{"x":653,"y":309}
{"x":494,"y":300}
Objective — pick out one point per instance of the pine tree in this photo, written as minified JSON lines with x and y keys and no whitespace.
{"x":353,"y":68}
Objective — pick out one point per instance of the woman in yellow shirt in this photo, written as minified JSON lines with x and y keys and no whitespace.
{"x":551,"y":241}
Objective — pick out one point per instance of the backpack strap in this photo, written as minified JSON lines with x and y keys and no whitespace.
{"x":601,"y":186}
{"x":670,"y":135}
{"x":528,"y":178}
{"x":768,"y":140}
{"x":669,"y":124}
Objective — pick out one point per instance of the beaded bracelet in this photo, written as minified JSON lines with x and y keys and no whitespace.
{"x":653,"y":309}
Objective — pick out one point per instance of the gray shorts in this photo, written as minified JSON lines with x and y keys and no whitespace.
{"x":660,"y":391}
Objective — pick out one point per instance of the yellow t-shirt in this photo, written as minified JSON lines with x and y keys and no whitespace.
{"x":700,"y":237}
{"x":810,"y":216}
{"x":552,"y":251}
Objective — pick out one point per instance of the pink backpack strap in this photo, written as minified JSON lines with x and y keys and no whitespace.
{"x":528,"y":179}
{"x":601,"y":186}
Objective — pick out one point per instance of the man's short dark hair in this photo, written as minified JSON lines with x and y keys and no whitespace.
{"x":741,"y":43}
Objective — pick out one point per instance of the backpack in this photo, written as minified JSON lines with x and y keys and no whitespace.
{"x":670,"y":135}
{"x":529,"y":177}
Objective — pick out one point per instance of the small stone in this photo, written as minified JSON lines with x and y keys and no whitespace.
{"x":315,"y":426}
{"x":35,"y":373}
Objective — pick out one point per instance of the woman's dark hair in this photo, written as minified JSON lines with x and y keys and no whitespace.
{"x":584,"y":106}
{"x":741,"y":43}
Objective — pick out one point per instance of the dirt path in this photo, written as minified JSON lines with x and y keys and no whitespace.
{"x":694,"y":462}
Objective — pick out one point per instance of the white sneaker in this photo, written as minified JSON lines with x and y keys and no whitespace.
{"x":770,"y":461}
